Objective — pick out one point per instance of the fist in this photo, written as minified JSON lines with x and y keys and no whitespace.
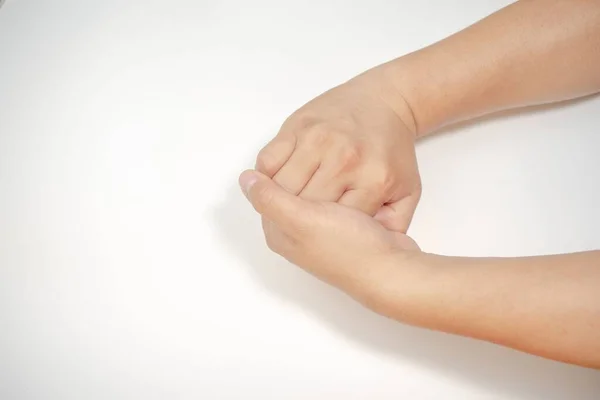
{"x":353,"y":145}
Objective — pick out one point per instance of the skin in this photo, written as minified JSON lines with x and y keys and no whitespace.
{"x":353,"y":145}
{"x":338,"y":186}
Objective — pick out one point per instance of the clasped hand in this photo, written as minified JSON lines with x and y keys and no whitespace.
{"x":338,"y":186}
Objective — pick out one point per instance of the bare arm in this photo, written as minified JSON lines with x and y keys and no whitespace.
{"x":548,"y":306}
{"x":531,"y":52}
{"x":354,"y":144}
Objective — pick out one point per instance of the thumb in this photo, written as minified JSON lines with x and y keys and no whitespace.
{"x":272,"y":201}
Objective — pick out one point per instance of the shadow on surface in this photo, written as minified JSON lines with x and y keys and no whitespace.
{"x":499,"y":371}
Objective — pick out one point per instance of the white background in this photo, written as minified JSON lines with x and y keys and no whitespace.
{"x":131,"y":266}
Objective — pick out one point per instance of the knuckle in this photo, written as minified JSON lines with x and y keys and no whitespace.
{"x":383,"y":179}
{"x":351,"y":156}
{"x":298,"y":120}
{"x":265,"y":161}
{"x":317,"y":136}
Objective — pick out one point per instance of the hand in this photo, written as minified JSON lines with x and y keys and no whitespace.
{"x":479,"y":298}
{"x":338,"y":244}
{"x":353,"y":145}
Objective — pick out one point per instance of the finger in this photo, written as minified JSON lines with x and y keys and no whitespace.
{"x":398,"y":215}
{"x":298,"y":170}
{"x":361,"y":199}
{"x":275,"y":154}
{"x":324,"y":186}
{"x":274,"y":203}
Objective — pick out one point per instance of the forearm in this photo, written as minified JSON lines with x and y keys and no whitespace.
{"x":548,"y":306}
{"x":531,"y":52}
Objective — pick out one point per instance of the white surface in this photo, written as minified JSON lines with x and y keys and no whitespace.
{"x":132,"y":268}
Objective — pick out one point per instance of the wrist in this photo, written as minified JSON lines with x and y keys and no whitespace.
{"x":437,"y":92}
{"x":402,"y":287}
{"x":409,"y":94}
{"x":380,"y":85}
{"x":421,"y":289}
{"x":403,"y":86}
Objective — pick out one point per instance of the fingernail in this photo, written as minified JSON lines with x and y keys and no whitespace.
{"x":247,"y":180}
